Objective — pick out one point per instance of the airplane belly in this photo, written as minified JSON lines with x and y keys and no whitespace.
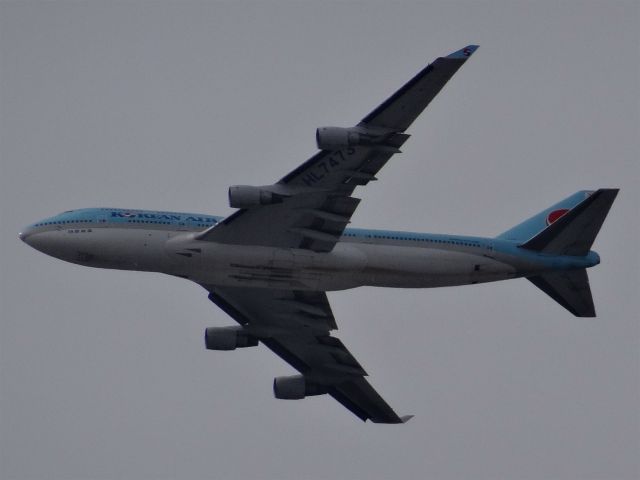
{"x":348,"y":265}
{"x":416,"y":267}
{"x":264,"y":267}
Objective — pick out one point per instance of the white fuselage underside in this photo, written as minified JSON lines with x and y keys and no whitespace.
{"x":350,"y":264}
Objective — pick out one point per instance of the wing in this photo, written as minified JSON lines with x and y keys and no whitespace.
{"x":296,"y":326}
{"x":314,"y":201}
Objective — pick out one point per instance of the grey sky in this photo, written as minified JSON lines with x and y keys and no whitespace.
{"x":157,"y":105}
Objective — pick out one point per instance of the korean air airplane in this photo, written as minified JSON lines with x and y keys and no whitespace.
{"x":270,"y":264}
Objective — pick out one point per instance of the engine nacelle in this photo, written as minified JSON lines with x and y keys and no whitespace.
{"x":336,"y":138}
{"x":245,"y":196}
{"x":295,"y":387}
{"x":228,"y":338}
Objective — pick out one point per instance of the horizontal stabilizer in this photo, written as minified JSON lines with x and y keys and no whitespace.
{"x":569,"y":288}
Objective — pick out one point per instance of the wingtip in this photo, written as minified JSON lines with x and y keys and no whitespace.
{"x":395,"y":420}
{"x":464,"y":53}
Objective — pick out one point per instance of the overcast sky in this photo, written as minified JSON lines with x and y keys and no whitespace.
{"x":157,"y":105}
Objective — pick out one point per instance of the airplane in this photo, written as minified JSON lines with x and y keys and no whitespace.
{"x":270,"y":263}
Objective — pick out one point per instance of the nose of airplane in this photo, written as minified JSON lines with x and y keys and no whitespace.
{"x":37,"y":240}
{"x":41,"y":241}
{"x":25,"y":234}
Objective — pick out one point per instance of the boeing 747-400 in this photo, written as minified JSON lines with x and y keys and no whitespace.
{"x":270,"y":264}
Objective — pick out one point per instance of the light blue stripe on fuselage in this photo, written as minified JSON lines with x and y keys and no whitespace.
{"x":198,"y":222}
{"x":159,"y":220}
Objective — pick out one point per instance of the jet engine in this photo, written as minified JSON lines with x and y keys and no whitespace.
{"x":245,"y":196}
{"x":228,"y":338}
{"x":335,"y":138}
{"x":295,"y":387}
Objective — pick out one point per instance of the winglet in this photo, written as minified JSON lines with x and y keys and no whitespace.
{"x":406,"y":418}
{"x":464,"y":53}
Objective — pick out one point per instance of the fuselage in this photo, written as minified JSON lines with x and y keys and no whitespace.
{"x":166,"y":242}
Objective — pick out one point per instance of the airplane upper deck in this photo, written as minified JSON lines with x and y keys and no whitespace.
{"x":118,"y":216}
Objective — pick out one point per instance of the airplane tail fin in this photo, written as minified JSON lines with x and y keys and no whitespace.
{"x":569,"y":288}
{"x":534,"y":225}
{"x":568,"y":227}
{"x":573,"y":232}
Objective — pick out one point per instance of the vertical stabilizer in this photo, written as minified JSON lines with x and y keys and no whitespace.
{"x":534,"y":225}
{"x":574,"y":232}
